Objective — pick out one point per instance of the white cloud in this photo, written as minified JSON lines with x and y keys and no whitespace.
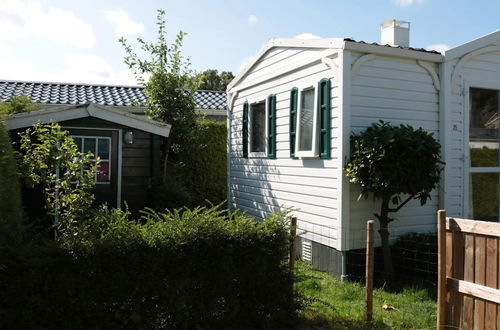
{"x":22,"y":19}
{"x":124,"y":26}
{"x":306,"y":35}
{"x":75,"y":68}
{"x":438,"y":47}
{"x":252,"y":19}
{"x":406,"y":3}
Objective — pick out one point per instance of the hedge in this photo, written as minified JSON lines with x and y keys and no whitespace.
{"x":10,"y":190}
{"x":196,"y":269}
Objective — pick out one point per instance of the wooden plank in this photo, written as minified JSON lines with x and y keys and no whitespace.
{"x":369,"y":270}
{"x":491,"y":279}
{"x":458,"y":273}
{"x":474,"y":226}
{"x":442,"y":268}
{"x":479,"y":278}
{"x":468,"y":309}
{"x":474,"y":290}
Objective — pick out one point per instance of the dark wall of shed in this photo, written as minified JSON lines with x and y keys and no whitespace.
{"x":140,"y":162}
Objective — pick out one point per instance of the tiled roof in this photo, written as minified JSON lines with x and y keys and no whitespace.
{"x":61,"y":93}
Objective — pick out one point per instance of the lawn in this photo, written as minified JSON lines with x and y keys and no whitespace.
{"x":332,"y":304}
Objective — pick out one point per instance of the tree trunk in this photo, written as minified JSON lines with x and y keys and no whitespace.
{"x":166,"y":152}
{"x":384,"y":220}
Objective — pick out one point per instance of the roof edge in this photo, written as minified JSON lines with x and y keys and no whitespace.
{"x":485,"y":40}
{"x":26,"y":119}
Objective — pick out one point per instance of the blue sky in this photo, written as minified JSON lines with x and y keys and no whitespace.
{"x":76,"y":41}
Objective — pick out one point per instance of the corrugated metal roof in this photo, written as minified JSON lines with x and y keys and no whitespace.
{"x":61,"y":93}
{"x":400,"y":47}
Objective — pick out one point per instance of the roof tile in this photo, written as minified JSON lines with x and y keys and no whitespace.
{"x":61,"y":93}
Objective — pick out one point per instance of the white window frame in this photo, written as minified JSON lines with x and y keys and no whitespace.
{"x":313,"y":153}
{"x":466,"y":138}
{"x":95,"y":137}
{"x":258,"y":154}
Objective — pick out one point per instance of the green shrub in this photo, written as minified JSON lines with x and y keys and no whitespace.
{"x":197,"y":175}
{"x":190,"y":269}
{"x":17,"y":104}
{"x":204,"y":164}
{"x":10,"y":191}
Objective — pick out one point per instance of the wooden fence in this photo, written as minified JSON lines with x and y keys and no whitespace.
{"x":468,"y":274}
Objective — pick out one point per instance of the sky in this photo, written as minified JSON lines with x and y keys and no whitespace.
{"x":77,"y":41}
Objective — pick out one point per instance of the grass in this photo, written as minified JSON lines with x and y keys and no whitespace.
{"x":332,"y":304}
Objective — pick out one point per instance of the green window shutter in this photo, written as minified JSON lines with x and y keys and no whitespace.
{"x":245,"y":130}
{"x":324,"y":116}
{"x":271,"y":126}
{"x":294,"y":96}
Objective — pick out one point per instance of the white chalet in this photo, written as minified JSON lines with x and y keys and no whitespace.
{"x":292,"y":110}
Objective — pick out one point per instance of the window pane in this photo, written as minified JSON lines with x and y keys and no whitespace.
{"x":258,"y":125}
{"x":103,"y":148}
{"x":484,"y":127}
{"x":78,"y":142}
{"x":484,"y":196}
{"x":306,"y":120}
{"x":103,"y":172}
{"x":89,"y":145}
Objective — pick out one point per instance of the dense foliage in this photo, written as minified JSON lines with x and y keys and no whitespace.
{"x":212,"y":80}
{"x":17,"y":104}
{"x":392,"y":162}
{"x":10,"y":191}
{"x":195,"y":269}
{"x":50,"y":159}
{"x":199,"y":173}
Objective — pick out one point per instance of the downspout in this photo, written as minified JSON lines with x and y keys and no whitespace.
{"x":231,"y":98}
{"x":341,"y":71}
{"x":345,"y":70}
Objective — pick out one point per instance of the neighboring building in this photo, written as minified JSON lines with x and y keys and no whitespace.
{"x":107,"y":121}
{"x":293,"y":109}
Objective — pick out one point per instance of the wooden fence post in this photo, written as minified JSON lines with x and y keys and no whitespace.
{"x":369,"y":271}
{"x":293,"y":232}
{"x":441,"y":294}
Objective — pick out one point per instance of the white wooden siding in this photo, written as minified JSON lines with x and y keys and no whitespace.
{"x":401,"y":92}
{"x":485,"y":70}
{"x":309,"y":187}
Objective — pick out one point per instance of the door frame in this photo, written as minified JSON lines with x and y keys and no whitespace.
{"x":467,"y":169}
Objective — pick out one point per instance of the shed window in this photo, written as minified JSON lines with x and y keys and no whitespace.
{"x":99,"y":147}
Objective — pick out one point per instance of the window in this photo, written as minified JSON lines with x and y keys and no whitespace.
{"x":99,"y":147}
{"x":259,"y":128}
{"x":310,"y":121}
{"x":484,"y":141}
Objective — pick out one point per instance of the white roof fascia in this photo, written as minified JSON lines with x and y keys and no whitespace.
{"x":303,"y":63}
{"x":286,"y":43}
{"x":459,"y":51}
{"x":392,"y":51}
{"x":59,"y":114}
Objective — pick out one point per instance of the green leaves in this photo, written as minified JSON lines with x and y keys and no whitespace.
{"x":49,"y":158}
{"x":390,"y":161}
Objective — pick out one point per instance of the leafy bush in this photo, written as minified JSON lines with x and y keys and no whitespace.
{"x":17,"y":104}
{"x":10,"y":191}
{"x":50,"y":159}
{"x":198,"y":174}
{"x":190,"y":269}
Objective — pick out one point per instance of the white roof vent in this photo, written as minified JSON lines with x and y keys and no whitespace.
{"x":395,"y":33}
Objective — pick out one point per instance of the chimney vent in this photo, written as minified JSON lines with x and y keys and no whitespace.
{"x":395,"y":33}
